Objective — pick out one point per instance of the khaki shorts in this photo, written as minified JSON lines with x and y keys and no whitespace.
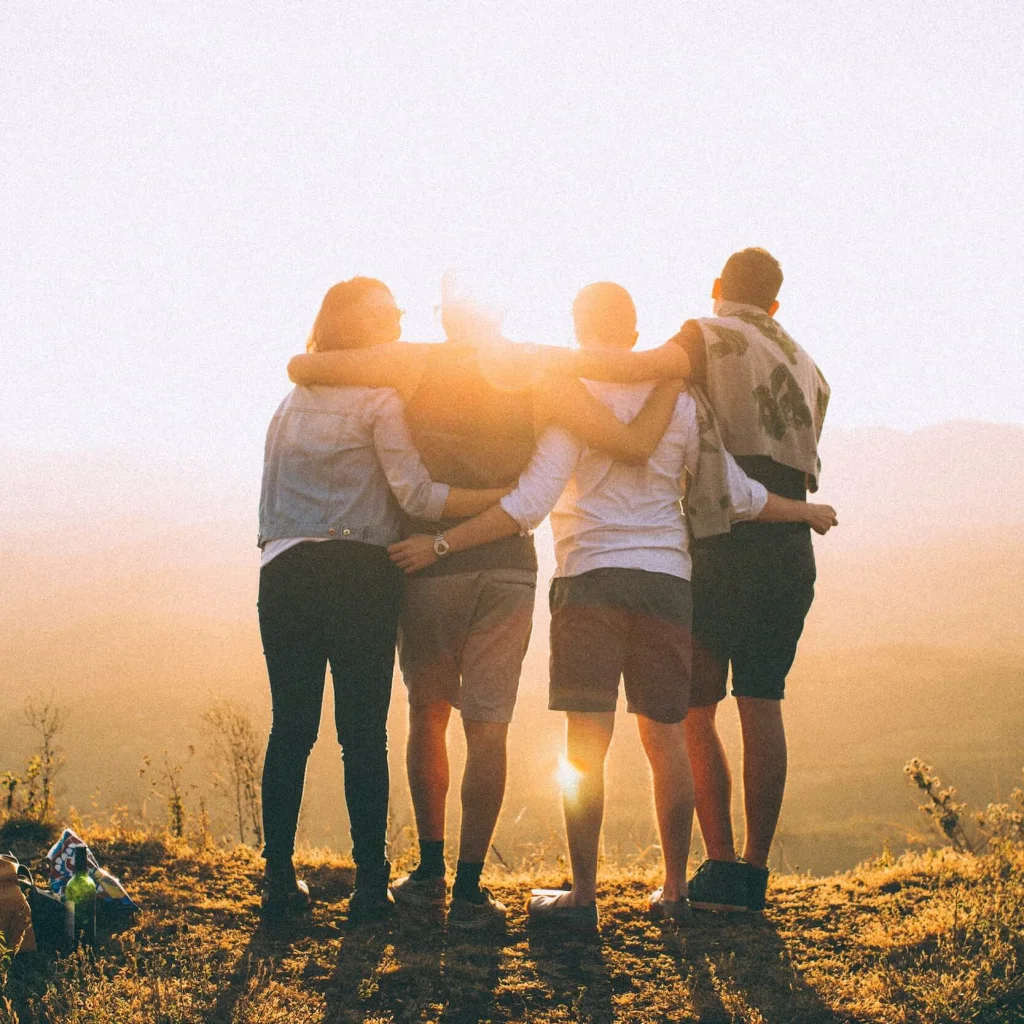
{"x":462,"y":639}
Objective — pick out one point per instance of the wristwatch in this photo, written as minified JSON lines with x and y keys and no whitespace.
{"x":441,"y":546}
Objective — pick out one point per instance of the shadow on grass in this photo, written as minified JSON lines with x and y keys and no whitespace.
{"x":575,"y":969}
{"x":265,"y":945}
{"x":471,"y":977}
{"x":366,"y":958}
{"x":405,"y":969}
{"x":739,"y":967}
{"x":273,"y":940}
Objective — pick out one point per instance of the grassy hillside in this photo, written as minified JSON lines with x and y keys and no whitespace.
{"x":855,"y":716}
{"x":910,"y":652}
{"x":925,"y":938}
{"x":130,"y":589}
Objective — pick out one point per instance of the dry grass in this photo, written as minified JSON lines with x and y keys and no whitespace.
{"x":924,"y":938}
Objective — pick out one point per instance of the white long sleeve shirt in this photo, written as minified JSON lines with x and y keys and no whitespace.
{"x":605,"y":514}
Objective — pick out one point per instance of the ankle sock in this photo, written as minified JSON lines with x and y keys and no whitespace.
{"x":467,"y":881}
{"x":431,"y":861}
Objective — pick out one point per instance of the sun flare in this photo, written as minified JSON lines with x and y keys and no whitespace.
{"x":568,"y":776}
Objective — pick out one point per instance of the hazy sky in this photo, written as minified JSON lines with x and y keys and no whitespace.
{"x":181,"y":181}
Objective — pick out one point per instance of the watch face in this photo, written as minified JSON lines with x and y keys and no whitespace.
{"x":440,"y":547}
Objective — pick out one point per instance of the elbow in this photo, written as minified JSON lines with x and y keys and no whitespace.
{"x":296,"y":368}
{"x":419,"y":505}
{"x":520,"y":518}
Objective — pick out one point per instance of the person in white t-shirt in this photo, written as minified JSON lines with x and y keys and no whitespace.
{"x":620,"y":604}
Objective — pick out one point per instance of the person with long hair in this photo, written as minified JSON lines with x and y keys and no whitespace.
{"x":338,"y":464}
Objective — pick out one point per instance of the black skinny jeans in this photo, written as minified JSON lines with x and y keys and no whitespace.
{"x":336,"y":601}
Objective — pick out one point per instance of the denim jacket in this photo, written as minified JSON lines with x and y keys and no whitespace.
{"x":333,"y":457}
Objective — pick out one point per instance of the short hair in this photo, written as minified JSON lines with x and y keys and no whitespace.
{"x":753,"y":276}
{"x":605,"y":310}
{"x":333,"y":327}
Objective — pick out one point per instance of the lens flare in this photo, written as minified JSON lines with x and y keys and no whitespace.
{"x":568,"y":776}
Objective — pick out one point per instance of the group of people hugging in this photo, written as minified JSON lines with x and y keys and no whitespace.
{"x":401,"y":486}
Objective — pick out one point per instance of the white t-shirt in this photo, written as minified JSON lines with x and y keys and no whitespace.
{"x":606,"y":514}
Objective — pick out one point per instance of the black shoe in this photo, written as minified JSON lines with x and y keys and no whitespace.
{"x":721,"y":885}
{"x":370,"y":904}
{"x":371,"y":899}
{"x":284,"y":895}
{"x":757,"y":884}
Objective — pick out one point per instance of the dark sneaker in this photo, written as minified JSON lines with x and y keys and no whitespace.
{"x":370,"y":904}
{"x":757,"y":884}
{"x":548,"y":908}
{"x":422,"y":893}
{"x":676,"y":912}
{"x":487,"y":914}
{"x":720,"y":885}
{"x":371,"y":899}
{"x":283,"y":895}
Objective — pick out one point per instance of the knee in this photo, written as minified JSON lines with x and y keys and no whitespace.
{"x":294,"y":735}
{"x":362,"y":733}
{"x":759,"y":710}
{"x":662,"y":742}
{"x":590,"y":729}
{"x":485,"y":741}
{"x":368,"y":751}
{"x":429,"y":720}
{"x":700,"y":720}
{"x":587,"y":751}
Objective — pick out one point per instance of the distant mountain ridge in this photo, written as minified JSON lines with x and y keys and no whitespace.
{"x":895,"y":488}
{"x":890,"y":487}
{"x":930,"y":546}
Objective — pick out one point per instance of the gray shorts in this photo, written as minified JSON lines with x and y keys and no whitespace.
{"x":462,"y":639}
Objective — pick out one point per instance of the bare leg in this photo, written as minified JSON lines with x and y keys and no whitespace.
{"x":764,"y":774}
{"x":665,"y":746}
{"x":712,"y":782}
{"x":426,"y":761}
{"x":588,"y":735}
{"x":483,"y":787}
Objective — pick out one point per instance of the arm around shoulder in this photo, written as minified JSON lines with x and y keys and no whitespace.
{"x":398,"y":365}
{"x":627,"y":367}
{"x":571,"y":405}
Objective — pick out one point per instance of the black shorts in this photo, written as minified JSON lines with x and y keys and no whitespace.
{"x":608,"y":623}
{"x":752,"y":590}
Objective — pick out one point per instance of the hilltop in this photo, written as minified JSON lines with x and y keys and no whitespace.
{"x":923,"y":938}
